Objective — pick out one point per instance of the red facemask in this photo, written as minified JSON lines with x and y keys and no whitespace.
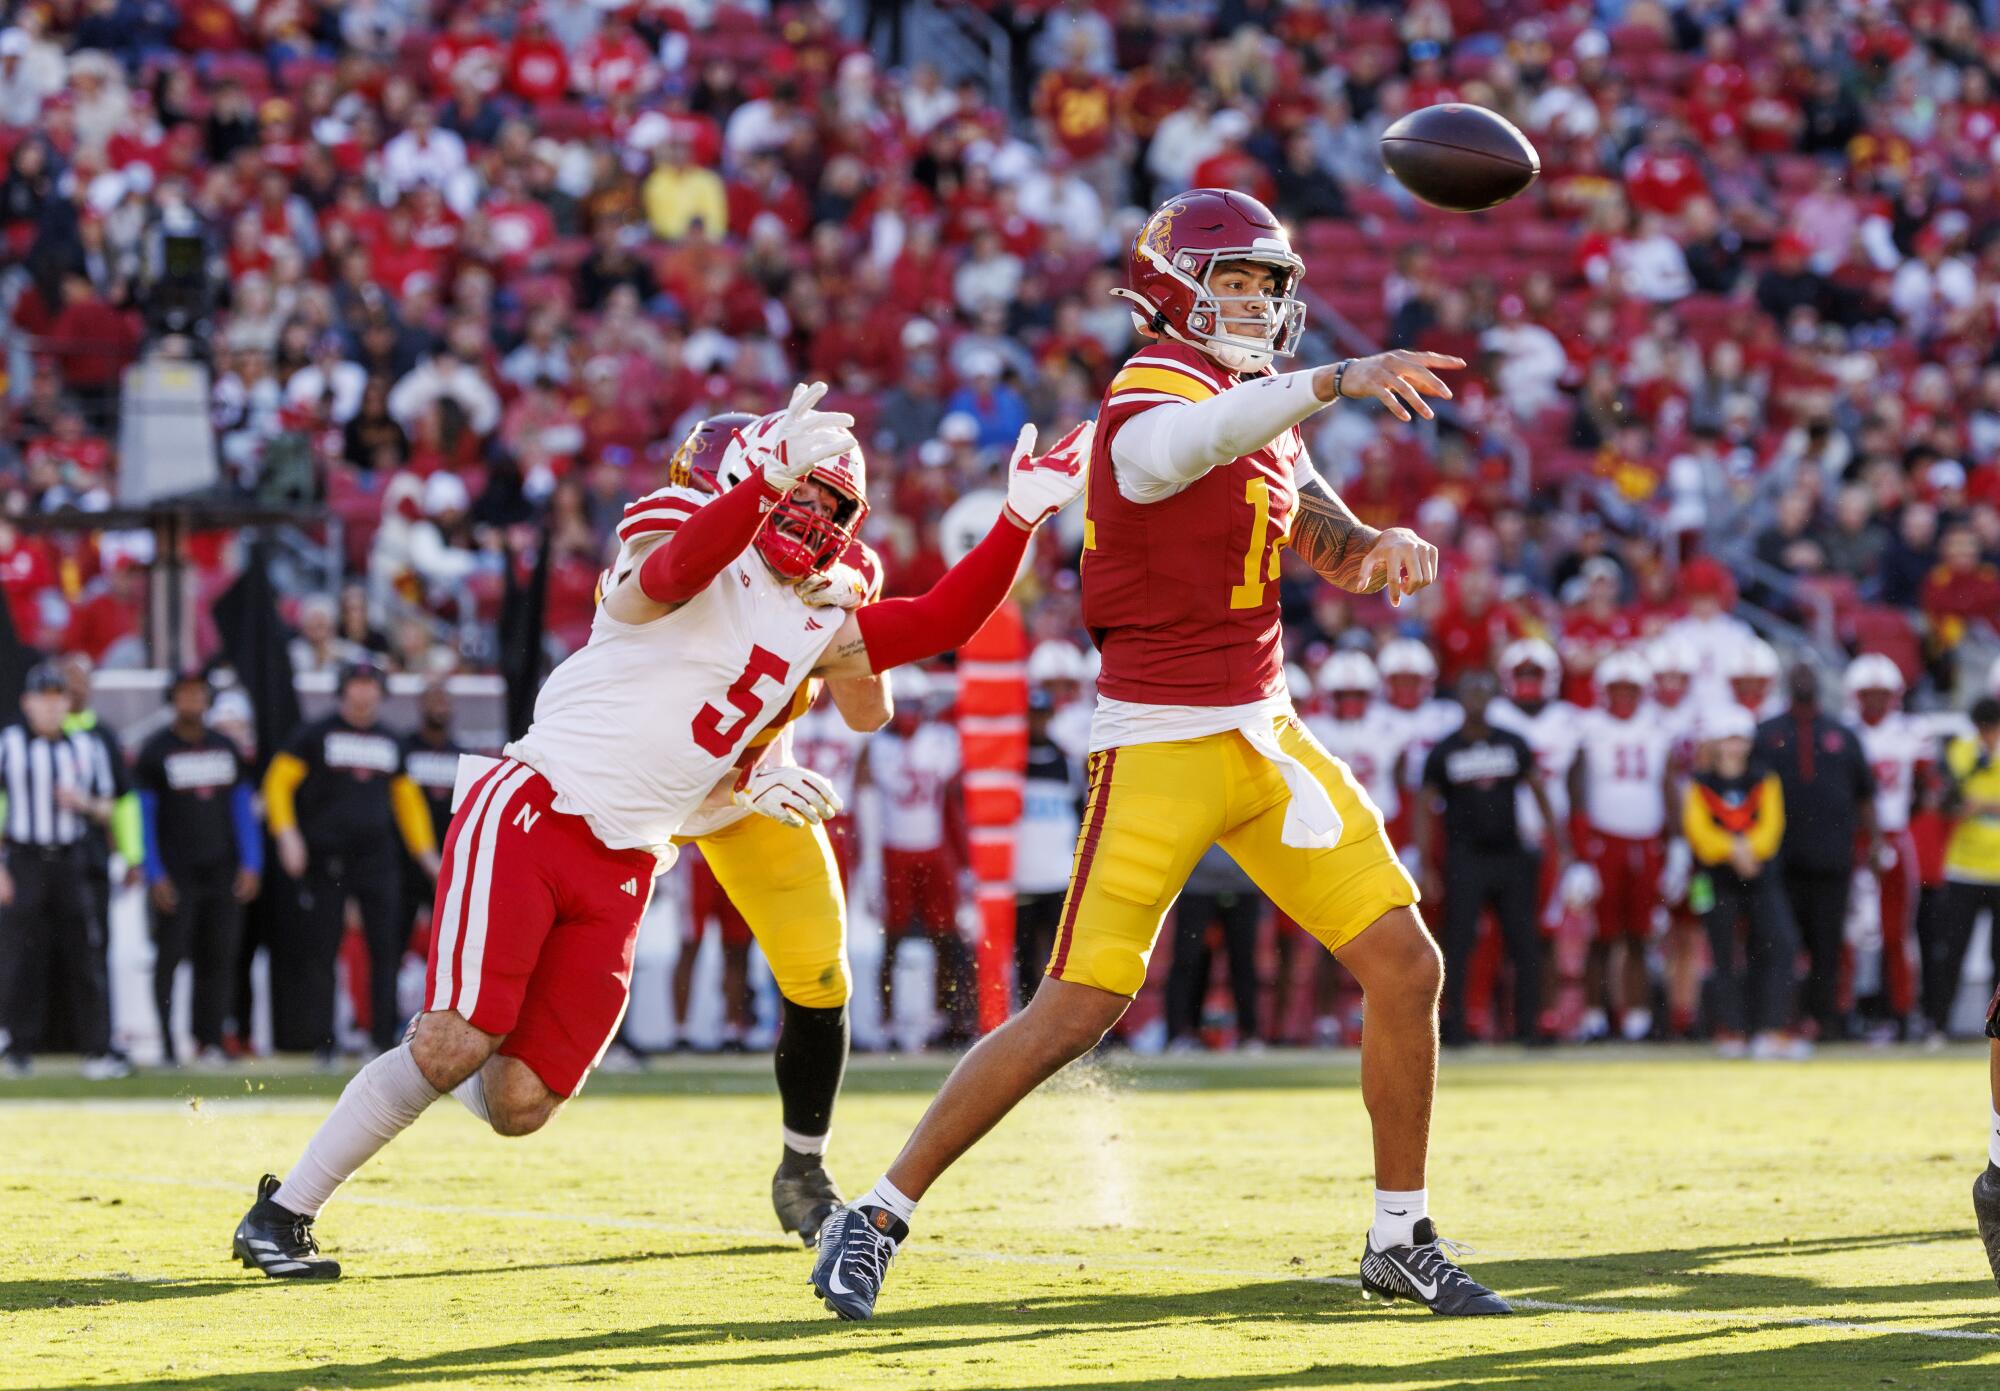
{"x":1875,"y":705}
{"x":1670,"y":690}
{"x":1530,"y":686}
{"x":1406,"y":692}
{"x":1622,"y":701}
{"x":1751,"y":692}
{"x":1350,"y":705}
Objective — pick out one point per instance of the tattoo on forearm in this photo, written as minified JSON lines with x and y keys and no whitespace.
{"x":1332,"y":539}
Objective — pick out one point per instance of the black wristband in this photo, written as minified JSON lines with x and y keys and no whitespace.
{"x":1340,"y":375}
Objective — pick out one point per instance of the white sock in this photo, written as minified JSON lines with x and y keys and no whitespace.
{"x":378,"y":1105}
{"x":1397,"y":1215}
{"x":1993,"y":1139}
{"x":887,"y":1196}
{"x":805,"y":1144}
{"x":471,"y":1094}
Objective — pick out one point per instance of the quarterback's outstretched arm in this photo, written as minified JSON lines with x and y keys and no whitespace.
{"x":1163,"y":449}
{"x":896,"y":632}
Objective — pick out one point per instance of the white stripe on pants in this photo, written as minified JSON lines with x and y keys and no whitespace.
{"x":451,"y":914}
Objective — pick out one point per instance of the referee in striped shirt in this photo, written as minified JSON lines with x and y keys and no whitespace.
{"x":57,"y":785}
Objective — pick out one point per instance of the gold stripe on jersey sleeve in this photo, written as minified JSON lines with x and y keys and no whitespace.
{"x":1165,"y":379}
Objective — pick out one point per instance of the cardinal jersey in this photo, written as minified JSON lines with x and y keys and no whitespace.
{"x":1371,"y":747}
{"x":1624,"y":766}
{"x":1893,"y":749}
{"x":635,"y":729}
{"x":913,"y":774}
{"x":1552,"y":733}
{"x":1181,"y":595}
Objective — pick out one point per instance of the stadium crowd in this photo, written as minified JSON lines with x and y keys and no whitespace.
{"x":472,"y":269}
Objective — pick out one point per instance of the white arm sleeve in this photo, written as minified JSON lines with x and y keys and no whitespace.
{"x":1164,"y":449}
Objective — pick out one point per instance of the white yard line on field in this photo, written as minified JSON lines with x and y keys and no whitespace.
{"x":1133,"y":1262}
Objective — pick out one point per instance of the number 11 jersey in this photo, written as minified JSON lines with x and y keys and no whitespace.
{"x":636,"y":727}
{"x":1181,"y":594}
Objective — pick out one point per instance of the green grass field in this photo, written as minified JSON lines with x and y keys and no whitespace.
{"x":1706,"y":1224}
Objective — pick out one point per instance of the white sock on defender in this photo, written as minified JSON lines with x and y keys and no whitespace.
{"x":887,"y":1196}
{"x":1993,"y":1138}
{"x":804,"y":1144}
{"x":378,"y":1105}
{"x":471,"y":1094}
{"x":1397,"y":1215}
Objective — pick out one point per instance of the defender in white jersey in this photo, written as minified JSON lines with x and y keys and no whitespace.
{"x":552,"y":853}
{"x":1674,"y":705}
{"x":1897,"y":748}
{"x":1620,"y":786}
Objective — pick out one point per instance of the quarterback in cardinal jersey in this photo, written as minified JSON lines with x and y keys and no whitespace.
{"x":1199,"y":481}
{"x":700,"y":643}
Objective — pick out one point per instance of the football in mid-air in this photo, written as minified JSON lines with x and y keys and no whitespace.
{"x":1458,"y":157}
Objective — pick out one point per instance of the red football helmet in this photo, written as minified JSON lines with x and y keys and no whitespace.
{"x":796,"y":541}
{"x":1178,"y":250}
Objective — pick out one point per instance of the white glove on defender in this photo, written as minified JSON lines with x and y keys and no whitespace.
{"x":787,"y":445}
{"x":790,"y":796}
{"x":841,"y":587}
{"x":1580,"y":886}
{"x":1040,"y":487}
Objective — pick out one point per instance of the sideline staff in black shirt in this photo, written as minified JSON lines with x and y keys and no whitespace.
{"x":1476,"y":772}
{"x":336,"y":799}
{"x":204,"y":858}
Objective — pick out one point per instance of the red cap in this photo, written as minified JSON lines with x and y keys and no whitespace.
{"x":1704,"y":575}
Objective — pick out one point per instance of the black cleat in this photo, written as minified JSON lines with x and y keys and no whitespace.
{"x":856,"y":1245}
{"x":1986,"y":1207}
{"x":804,"y":1195}
{"x":280,"y":1242}
{"x":1424,"y":1271}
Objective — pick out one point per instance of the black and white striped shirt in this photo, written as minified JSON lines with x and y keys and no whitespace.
{"x":31,"y":769}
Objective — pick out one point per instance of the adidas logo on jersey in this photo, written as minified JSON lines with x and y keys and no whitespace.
{"x":631,"y":886}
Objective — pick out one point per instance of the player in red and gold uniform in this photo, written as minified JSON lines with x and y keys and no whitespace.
{"x":1199,"y":479}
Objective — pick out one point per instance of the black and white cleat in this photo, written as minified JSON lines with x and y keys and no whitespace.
{"x":280,"y":1242}
{"x":855,"y":1248}
{"x":1425,"y":1272}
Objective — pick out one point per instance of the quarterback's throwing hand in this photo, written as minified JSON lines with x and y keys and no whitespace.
{"x":788,"y":444}
{"x":1405,"y":562}
{"x":1397,"y":378}
{"x":791,"y":796}
{"x":1039,"y":486}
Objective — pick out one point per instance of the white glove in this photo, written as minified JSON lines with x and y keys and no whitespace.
{"x":787,"y":445}
{"x":789,"y":795}
{"x":1040,"y":487}
{"x":1580,"y":886}
{"x":1675,"y":875}
{"x":840,"y":587}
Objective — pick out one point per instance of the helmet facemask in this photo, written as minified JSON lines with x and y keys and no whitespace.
{"x":798,"y":541}
{"x":1208,"y":320}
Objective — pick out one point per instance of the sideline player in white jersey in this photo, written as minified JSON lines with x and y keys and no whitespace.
{"x":1531,"y":674}
{"x":1361,"y":732}
{"x":552,"y":852}
{"x":1897,"y":748}
{"x":1409,"y":697}
{"x":916,"y":765}
{"x":1674,"y":705}
{"x":1751,"y":670}
{"x":1620,"y":785}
